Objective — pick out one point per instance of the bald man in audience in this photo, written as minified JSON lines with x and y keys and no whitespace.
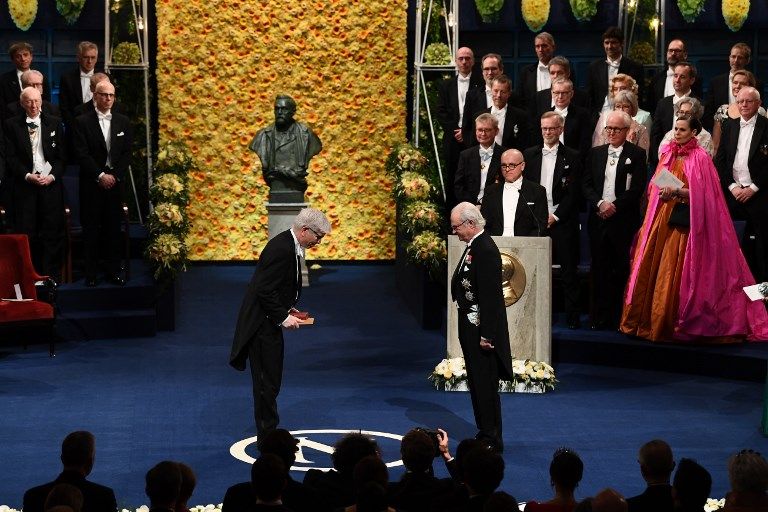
{"x":656,"y":466}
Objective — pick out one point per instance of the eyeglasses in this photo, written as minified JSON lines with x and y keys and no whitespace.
{"x":317,"y":235}
{"x":745,"y":102}
{"x":454,"y":227}
{"x":510,"y":167}
{"x":484,"y":130}
{"x":561,"y":93}
{"x":614,"y":129}
{"x":106,"y":94}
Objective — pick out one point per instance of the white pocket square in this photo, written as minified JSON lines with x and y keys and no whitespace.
{"x":566,"y":167}
{"x":121,"y":134}
{"x":53,"y":134}
{"x":530,"y":204}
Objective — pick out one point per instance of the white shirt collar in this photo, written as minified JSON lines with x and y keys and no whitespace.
{"x":517,"y":184}
{"x":473,"y":238}
{"x":296,"y":245}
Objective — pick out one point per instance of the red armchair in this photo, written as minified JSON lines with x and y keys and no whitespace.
{"x":18,"y":318}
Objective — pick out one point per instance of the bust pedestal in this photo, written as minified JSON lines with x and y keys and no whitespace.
{"x":281,"y":217}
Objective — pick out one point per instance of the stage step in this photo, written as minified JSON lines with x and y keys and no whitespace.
{"x":109,"y":311}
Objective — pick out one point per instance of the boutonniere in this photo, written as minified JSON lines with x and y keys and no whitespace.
{"x":53,"y":133}
{"x":120,"y":134}
{"x":515,"y":130}
{"x":566,"y":166}
{"x":628,"y":161}
{"x":764,"y":149}
{"x":468,"y":259}
{"x":53,"y":144}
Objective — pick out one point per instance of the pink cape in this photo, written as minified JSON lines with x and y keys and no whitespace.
{"x":712,"y":301}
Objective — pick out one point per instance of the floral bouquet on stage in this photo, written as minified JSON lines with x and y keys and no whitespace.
{"x":420,"y":210}
{"x":528,"y":376}
{"x":168,"y":222}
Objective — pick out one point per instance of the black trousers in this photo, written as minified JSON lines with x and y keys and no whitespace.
{"x":265,"y":354}
{"x":610,"y":242}
{"x":100,"y":215}
{"x":483,"y":377}
{"x":755,"y":212}
{"x":565,"y":252}
{"x":39,"y":213}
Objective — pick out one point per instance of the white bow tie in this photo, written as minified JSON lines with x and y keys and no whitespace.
{"x":498,"y":111}
{"x":108,"y":117}
{"x":545,"y":151}
{"x":486,"y":153}
{"x":543,"y":68}
{"x":464,"y":80}
{"x":613,"y":64}
{"x":744,"y":123}
{"x":86,"y":75}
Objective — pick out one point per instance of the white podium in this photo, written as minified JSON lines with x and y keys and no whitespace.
{"x":530,"y":316}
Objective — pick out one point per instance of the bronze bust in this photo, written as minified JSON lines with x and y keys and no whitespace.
{"x":285,"y":149}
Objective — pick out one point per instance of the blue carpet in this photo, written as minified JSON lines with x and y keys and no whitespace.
{"x":362,"y":366}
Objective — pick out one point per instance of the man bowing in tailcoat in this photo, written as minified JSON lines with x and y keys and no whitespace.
{"x":267,"y":309}
{"x":483,"y":335}
{"x":103,"y":142}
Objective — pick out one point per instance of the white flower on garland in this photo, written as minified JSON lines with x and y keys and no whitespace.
{"x":712,"y":504}
{"x":451,"y":374}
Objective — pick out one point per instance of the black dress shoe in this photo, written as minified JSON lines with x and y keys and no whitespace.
{"x":117,"y":281}
{"x":90,"y":282}
{"x":600,"y":325}
{"x":574,"y":322}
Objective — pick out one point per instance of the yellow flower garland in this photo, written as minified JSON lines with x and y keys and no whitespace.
{"x":735,"y":13}
{"x":220,"y":66}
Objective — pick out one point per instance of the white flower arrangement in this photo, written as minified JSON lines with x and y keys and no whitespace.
{"x":528,"y":376}
{"x":713,"y":504}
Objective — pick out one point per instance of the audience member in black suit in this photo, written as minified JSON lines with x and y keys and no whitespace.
{"x":77,"y":456}
{"x":479,"y":165}
{"x":602,"y":70}
{"x":557,"y":168}
{"x":268,"y":479}
{"x":296,"y":496}
{"x":483,"y":473}
{"x":75,"y":85}
{"x":103,"y":143}
{"x":64,"y":495}
{"x":663,"y":118}
{"x":612,"y":182}
{"x":163,"y":485}
{"x":269,"y":301}
{"x":335,"y":487}
{"x":479,"y":99}
{"x":741,"y":78}
{"x":450,"y":107}
{"x":719,"y":92}
{"x":32,"y":78}
{"x":742,"y":162}
{"x":535,"y":77}
{"x":418,"y":487}
{"x":34,"y":156}
{"x":559,"y":67}
{"x":370,"y":478}
{"x":514,"y":128}
{"x":10,"y":82}
{"x":656,"y":466}
{"x":188,"y":483}
{"x":691,"y":486}
{"x":518,"y":206}
{"x":662,"y":82}
{"x":565,"y":472}
{"x":748,"y":475}
{"x":6,"y":187}
{"x":579,"y":122}
{"x":476,"y":286}
{"x":626,"y":101}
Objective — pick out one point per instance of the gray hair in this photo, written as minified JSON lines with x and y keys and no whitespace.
{"x":98,"y":77}
{"x":27,"y":91}
{"x":559,"y":60}
{"x":697,"y":109}
{"x":487,"y":118}
{"x":623,"y":115}
{"x":313,"y":219}
{"x":629,"y":97}
{"x":25,"y":76}
{"x":468,"y":212}
{"x":84,"y":46}
{"x":545,"y":36}
{"x":551,"y":113}
{"x":563,"y":81}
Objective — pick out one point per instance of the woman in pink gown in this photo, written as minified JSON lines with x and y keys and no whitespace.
{"x":687,"y":275}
